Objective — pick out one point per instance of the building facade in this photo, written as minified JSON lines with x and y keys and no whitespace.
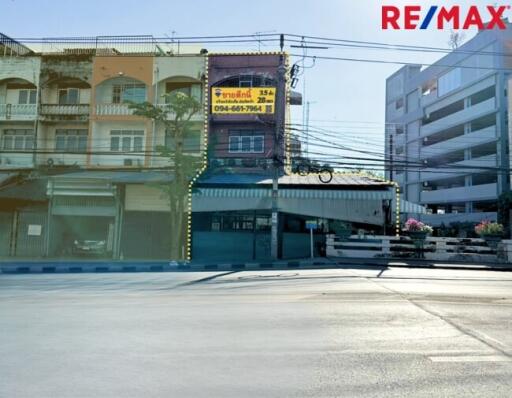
{"x":446,"y":140}
{"x":80,"y":171}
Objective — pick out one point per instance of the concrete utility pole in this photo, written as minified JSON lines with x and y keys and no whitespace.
{"x":279,"y":120}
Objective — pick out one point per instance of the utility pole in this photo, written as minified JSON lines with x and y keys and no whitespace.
{"x":279,"y":120}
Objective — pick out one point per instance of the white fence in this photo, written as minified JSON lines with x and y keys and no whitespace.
{"x":436,"y":249}
{"x":113,"y":109}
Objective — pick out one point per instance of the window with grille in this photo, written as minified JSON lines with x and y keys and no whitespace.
{"x":26,"y":97}
{"x":69,"y":96}
{"x":127,"y":140}
{"x":18,"y":139}
{"x":129,"y":92}
{"x":246,"y":141}
{"x":71,"y":140}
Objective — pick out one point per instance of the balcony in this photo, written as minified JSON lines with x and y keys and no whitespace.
{"x":113,"y":110}
{"x":481,"y":164}
{"x":460,"y":117}
{"x":65,"y":112}
{"x":461,"y":142}
{"x":460,"y":194}
{"x":18,"y":111}
{"x":197,"y":117}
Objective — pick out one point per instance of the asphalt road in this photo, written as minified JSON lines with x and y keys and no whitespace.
{"x":319,"y":333}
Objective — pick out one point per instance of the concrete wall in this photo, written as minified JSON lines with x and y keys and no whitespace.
{"x":27,"y":68}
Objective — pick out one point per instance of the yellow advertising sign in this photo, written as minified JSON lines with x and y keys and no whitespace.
{"x":238,"y":100}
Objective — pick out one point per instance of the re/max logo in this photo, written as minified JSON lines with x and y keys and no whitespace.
{"x":443,"y":17}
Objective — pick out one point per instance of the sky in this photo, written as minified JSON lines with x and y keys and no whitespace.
{"x":346,"y":97}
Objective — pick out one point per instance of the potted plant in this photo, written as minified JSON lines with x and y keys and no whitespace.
{"x":417,"y":230}
{"x":490,"y":231}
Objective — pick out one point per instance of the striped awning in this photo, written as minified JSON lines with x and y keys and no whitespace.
{"x":295,"y":193}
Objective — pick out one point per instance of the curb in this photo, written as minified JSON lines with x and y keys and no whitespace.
{"x":106,"y":267}
{"x":48,"y":267}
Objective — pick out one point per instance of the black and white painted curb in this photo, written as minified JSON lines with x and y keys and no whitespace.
{"x":160,"y":266}
{"x":35,"y":267}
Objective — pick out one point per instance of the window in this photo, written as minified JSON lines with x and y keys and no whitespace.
{"x":131,"y":92}
{"x":18,"y":139}
{"x":27,"y":97}
{"x":127,"y":140}
{"x":399,"y":104}
{"x":449,"y":81}
{"x":69,"y":96}
{"x":257,"y":143}
{"x":246,"y":141}
{"x":71,"y":140}
{"x":234,"y":143}
{"x":399,"y":150}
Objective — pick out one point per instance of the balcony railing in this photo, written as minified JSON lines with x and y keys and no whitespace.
{"x":113,"y":109}
{"x":69,"y":109}
{"x":18,"y":111}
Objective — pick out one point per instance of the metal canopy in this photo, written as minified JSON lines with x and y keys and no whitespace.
{"x":364,"y":206}
{"x":294,"y":193}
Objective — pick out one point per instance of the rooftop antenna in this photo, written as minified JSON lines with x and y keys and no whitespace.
{"x":257,"y":36}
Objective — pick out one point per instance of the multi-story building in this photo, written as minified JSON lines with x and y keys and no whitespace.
{"x":76,"y":163}
{"x":446,"y":140}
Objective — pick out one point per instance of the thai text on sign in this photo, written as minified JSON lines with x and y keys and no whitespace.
{"x":235,"y":100}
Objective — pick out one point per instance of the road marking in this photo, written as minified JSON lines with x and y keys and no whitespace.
{"x":472,"y":358}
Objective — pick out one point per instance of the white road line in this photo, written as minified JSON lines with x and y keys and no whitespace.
{"x":472,"y":358}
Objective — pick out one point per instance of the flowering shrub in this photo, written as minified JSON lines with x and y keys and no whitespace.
{"x":487,"y":227}
{"x":413,"y":225}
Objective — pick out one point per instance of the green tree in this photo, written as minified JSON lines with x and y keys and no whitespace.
{"x":176,"y":117}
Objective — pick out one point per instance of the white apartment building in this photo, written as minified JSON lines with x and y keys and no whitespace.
{"x":446,"y":140}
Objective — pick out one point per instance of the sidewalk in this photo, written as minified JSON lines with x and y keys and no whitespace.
{"x":74,"y":266}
